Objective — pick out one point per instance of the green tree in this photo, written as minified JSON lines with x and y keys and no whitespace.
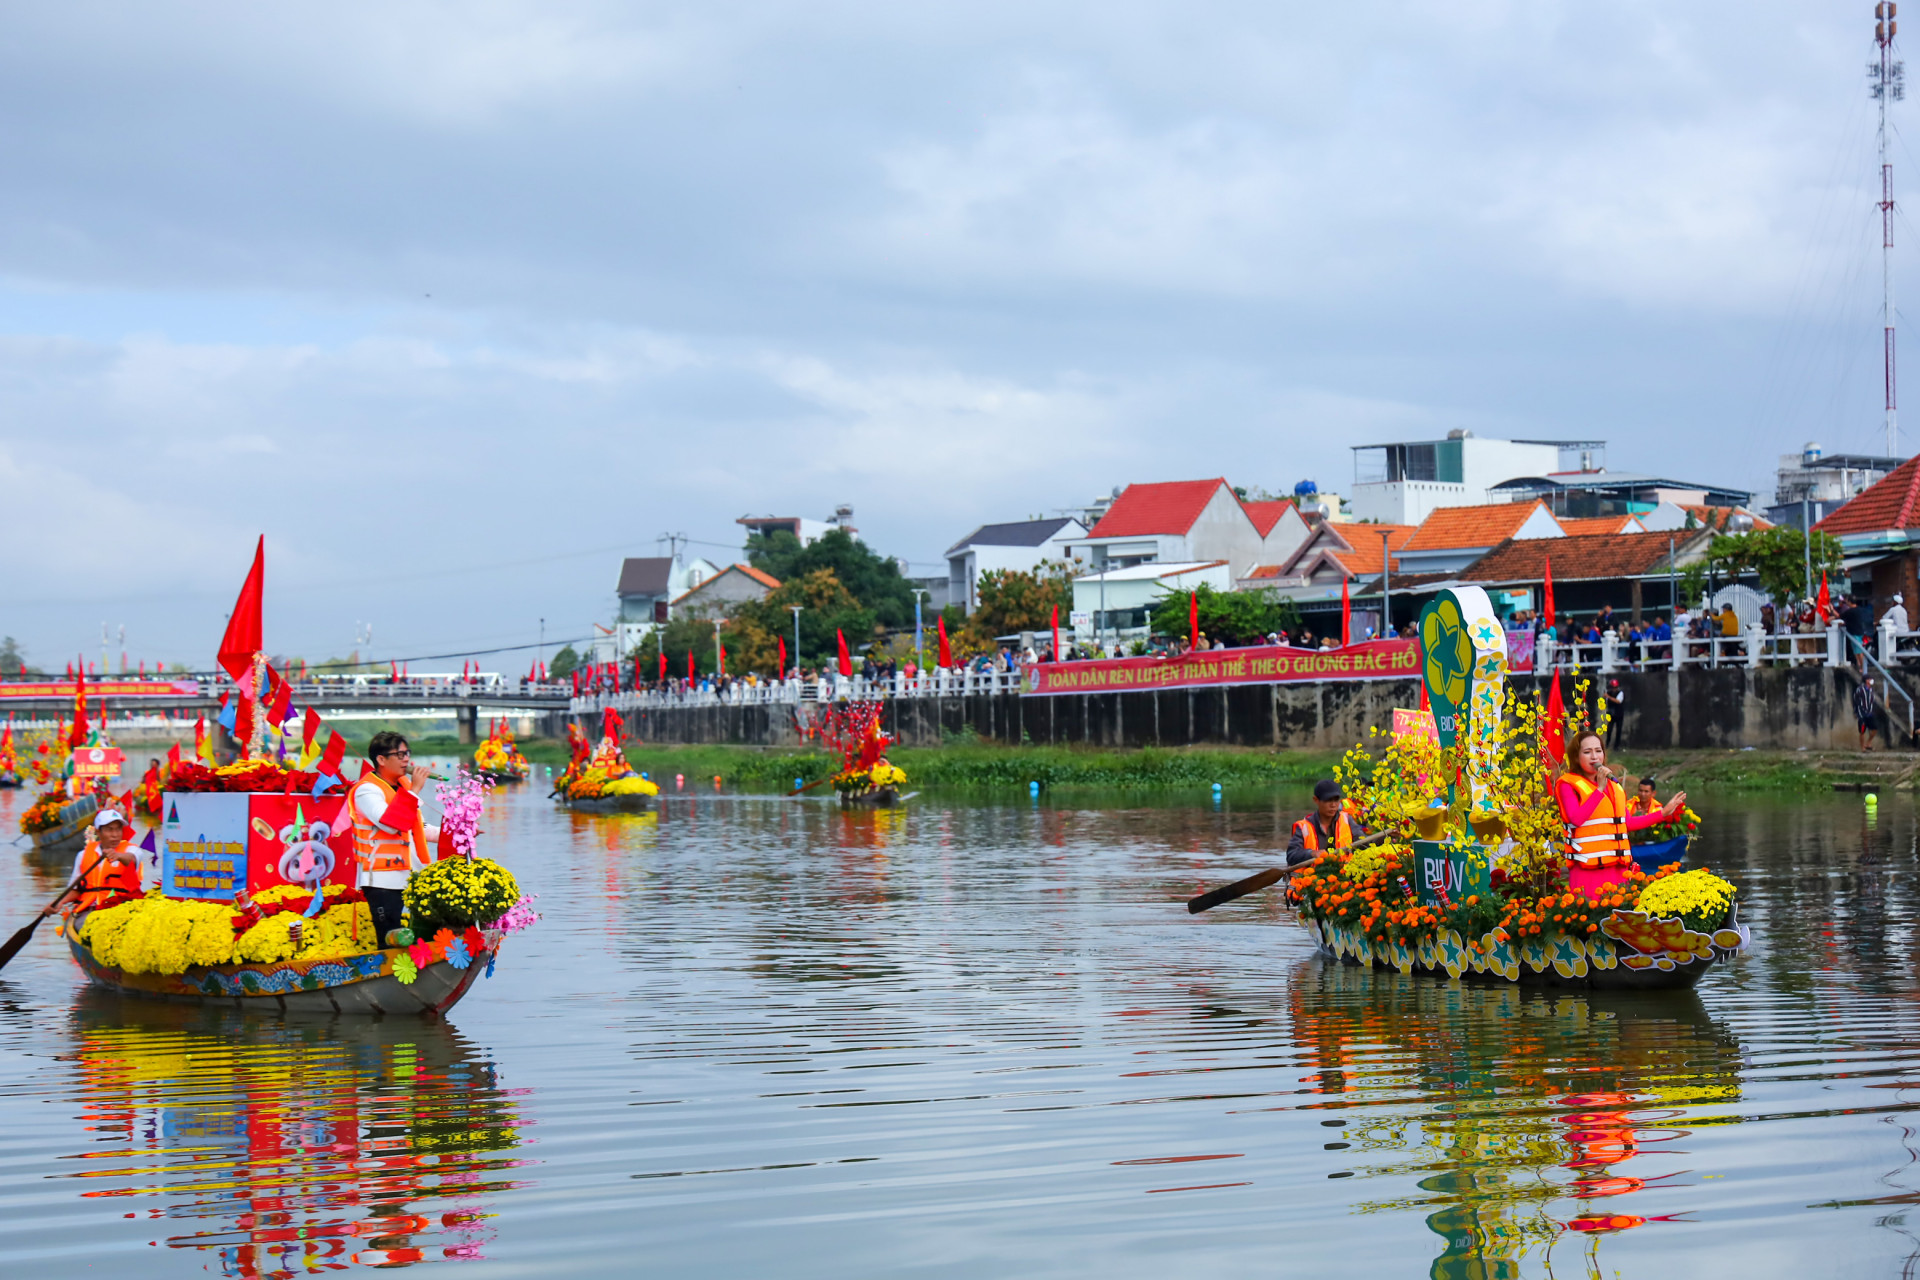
{"x":873,"y":580}
{"x":754,"y":630}
{"x":1011,"y":600}
{"x":1235,"y":616}
{"x":12,"y":657}
{"x":1777,"y":557}
{"x":563,"y":663}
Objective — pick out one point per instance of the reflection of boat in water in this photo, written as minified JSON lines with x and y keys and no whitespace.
{"x":610,"y":804}
{"x":282,"y":1150}
{"x":363,"y":984}
{"x":499,"y":777}
{"x":1523,"y":1116}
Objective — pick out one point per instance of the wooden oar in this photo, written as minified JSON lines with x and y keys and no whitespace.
{"x":12,"y":946}
{"x":1259,"y":880}
{"x":810,"y":786}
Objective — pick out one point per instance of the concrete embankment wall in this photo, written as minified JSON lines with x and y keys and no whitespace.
{"x":1731,"y":707}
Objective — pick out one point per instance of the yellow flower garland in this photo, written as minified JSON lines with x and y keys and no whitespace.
{"x":157,"y":934}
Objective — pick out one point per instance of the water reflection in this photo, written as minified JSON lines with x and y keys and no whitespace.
{"x":289,"y":1149}
{"x":1525,"y":1100}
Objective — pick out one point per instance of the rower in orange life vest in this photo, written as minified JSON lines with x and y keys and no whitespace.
{"x":106,"y":872}
{"x":1645,"y":801}
{"x":390,"y":841}
{"x":1330,"y":826}
{"x":1599,"y":817}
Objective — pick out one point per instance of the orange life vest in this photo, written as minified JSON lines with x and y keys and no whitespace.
{"x":380,"y":850}
{"x":1636,"y":806}
{"x":1310,"y":832}
{"x":105,"y":882}
{"x":1604,"y":833}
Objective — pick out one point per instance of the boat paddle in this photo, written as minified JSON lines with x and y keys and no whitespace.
{"x":1259,"y":880}
{"x":12,"y":946}
{"x":810,"y":786}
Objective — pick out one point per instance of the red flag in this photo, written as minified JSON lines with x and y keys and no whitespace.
{"x":690,"y":668}
{"x":280,"y":705}
{"x":783,"y":656}
{"x":663,"y":666}
{"x":1193,"y":619}
{"x":614,"y":670}
{"x":576,"y":682}
{"x":1546,"y":608}
{"x":402,"y":812}
{"x":1553,"y":725}
{"x":722,"y":656}
{"x":336,"y":752}
{"x":78,"y":738}
{"x":173,"y":755}
{"x":1424,"y":704}
{"x":310,"y":729}
{"x":1057,"y":655}
{"x":242,"y":640}
{"x":846,"y":659}
{"x":393,"y":671}
{"x":946,"y":650}
{"x":1824,"y":603}
{"x":1346,"y":616}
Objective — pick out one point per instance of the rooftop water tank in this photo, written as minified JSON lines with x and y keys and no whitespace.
{"x":1810,"y":454}
{"x":1305,"y":489}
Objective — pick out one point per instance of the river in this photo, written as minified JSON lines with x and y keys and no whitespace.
{"x":756,"y":1036}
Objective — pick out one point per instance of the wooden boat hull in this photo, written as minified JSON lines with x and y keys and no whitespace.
{"x":1596,"y":964}
{"x":612,"y":804}
{"x":67,"y":838}
{"x":878,"y":798}
{"x":500,"y":777}
{"x":358,"y":985}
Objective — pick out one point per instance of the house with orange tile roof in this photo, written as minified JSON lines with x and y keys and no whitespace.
{"x":1451,"y":538}
{"x":717,"y":595}
{"x":1189,"y":522}
{"x":1879,"y":532}
{"x":1601,"y":524}
{"x":1636,"y":574}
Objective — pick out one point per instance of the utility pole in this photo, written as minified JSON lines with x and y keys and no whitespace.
{"x":1889,"y":84}
{"x":1386,"y":585}
{"x":796,"y":637}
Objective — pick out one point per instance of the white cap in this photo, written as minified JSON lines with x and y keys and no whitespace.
{"x":105,"y":816}
{"x":1898,"y":598}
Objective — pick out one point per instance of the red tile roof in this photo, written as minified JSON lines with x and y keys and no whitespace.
{"x":1595,"y":556}
{"x":1265,"y":515}
{"x":1454,"y":528}
{"x":1265,"y":571}
{"x":1365,"y":541}
{"x":760,"y":576}
{"x":1143,"y":509}
{"x":1891,"y":502}
{"x":1599,"y":524}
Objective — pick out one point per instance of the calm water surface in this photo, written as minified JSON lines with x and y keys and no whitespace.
{"x":763,"y":1037}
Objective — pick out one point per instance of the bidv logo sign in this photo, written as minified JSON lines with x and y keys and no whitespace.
{"x":1459,"y":871}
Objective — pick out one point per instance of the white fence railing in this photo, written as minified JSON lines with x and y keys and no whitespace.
{"x":793,"y":692}
{"x":1751,"y":648}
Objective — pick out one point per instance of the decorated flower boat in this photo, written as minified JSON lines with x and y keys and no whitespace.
{"x":57,"y":822}
{"x":867,"y":779}
{"x":497,"y":759}
{"x":877,"y":787}
{"x":257,"y":904}
{"x":1470,"y":878}
{"x":602,"y":780}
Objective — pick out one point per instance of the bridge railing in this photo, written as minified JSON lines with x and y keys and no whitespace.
{"x":793,"y":692}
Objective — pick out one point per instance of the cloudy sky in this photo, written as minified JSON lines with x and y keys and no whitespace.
{"x":457,"y":303}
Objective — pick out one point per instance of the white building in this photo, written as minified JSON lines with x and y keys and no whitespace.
{"x":1016,"y":545}
{"x":1188,"y":522}
{"x":1403,"y":483}
{"x":1121,"y":599}
{"x":800,"y":527}
{"x":647,"y":589}
{"x":1817,"y":484}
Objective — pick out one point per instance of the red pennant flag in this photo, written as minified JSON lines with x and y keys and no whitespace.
{"x":846,"y":659}
{"x":946,"y":650}
{"x":663,"y":666}
{"x":173,"y":755}
{"x":78,"y":738}
{"x":1825,"y":602}
{"x":690,"y":670}
{"x":722,"y":655}
{"x":242,"y":640}
{"x":309,"y":730}
{"x":1546,"y":606}
{"x":576,"y":682}
{"x":1553,"y":725}
{"x":783,"y":656}
{"x":1346,"y":616}
{"x":336,"y":752}
{"x":402,"y":812}
{"x":1058,"y":654}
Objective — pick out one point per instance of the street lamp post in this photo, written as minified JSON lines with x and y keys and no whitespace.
{"x":719,"y":654}
{"x":1386,"y":586}
{"x":919,"y":650}
{"x":796,"y":637}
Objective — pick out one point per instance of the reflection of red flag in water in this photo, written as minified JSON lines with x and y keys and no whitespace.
{"x":1553,"y":725}
{"x":1346,"y":616}
{"x":946,"y":650}
{"x":242,"y":640}
{"x":846,"y":659}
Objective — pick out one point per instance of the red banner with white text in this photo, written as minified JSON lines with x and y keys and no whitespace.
{"x":1269,"y":664}
{"x":98,"y":688}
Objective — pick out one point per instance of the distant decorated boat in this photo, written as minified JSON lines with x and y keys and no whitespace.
{"x":497,"y":759}
{"x":603,"y":780}
{"x":69,"y":819}
{"x":867,"y":779}
{"x":1469,"y":874}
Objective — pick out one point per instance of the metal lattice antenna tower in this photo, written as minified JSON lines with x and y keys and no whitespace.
{"x":1888,"y":77}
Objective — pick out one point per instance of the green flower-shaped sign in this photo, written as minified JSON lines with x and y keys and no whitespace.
{"x":1449,"y":653}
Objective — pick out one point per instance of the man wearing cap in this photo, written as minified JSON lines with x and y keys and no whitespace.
{"x":1329,"y":826}
{"x":390,"y":839}
{"x":106,"y":871}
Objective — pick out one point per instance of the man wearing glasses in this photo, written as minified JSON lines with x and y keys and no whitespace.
{"x":389,"y":837}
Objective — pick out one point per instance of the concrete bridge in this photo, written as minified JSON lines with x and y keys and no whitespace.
{"x":466,"y":700}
